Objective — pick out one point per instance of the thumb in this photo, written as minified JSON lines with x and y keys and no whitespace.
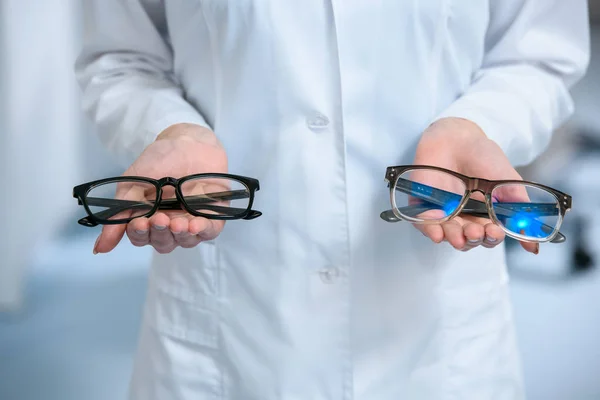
{"x":109,"y":238}
{"x":112,"y":234}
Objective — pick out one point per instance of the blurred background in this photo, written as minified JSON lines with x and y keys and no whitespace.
{"x":69,"y":320}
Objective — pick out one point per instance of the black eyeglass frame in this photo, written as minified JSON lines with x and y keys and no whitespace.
{"x":180,"y":202}
{"x":472,"y":206}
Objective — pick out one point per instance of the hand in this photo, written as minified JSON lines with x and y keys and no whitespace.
{"x":461,"y":146}
{"x":181,"y":149}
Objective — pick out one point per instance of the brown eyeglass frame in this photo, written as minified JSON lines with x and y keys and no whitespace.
{"x":474,"y":207}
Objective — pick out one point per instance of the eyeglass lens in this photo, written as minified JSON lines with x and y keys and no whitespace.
{"x":121,"y":200}
{"x":424,"y":194}
{"x":216,"y":196}
{"x":536,"y":213}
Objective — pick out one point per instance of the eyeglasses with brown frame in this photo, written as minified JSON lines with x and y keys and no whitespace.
{"x":415,"y":198}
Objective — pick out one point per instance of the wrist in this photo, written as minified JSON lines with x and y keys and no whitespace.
{"x":453,"y":141}
{"x":189,"y":132}
{"x":455,"y":130}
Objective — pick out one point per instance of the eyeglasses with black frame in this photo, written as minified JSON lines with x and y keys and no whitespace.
{"x":119,"y":200}
{"x":423,"y":194}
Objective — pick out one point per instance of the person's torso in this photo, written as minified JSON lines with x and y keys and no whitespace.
{"x":319,"y":298}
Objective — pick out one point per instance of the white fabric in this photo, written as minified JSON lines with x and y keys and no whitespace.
{"x":319,"y":298}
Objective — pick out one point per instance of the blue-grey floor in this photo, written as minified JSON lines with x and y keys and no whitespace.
{"x":76,"y":337}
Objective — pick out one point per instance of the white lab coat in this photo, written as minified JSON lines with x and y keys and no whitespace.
{"x":319,"y":299}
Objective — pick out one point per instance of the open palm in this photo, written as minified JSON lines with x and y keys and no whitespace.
{"x":180,"y":151}
{"x":461,"y":146}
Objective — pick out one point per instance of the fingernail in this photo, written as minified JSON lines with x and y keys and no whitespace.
{"x":160,"y":227}
{"x":141,"y":232}
{"x":491,"y":239}
{"x":537,"y":249}
{"x":95,"y":251}
{"x":473,"y":241}
{"x":176,"y":232}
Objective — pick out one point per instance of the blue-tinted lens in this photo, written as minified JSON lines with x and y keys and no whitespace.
{"x":452,"y":204}
{"x":424,"y":194}
{"x":534,"y":218}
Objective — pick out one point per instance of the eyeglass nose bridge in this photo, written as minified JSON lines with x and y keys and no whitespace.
{"x":479,"y":185}
{"x":168,"y":181}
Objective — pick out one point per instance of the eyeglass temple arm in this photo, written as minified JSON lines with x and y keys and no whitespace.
{"x":117,"y":205}
{"x":201,"y":200}
{"x":473,"y":207}
{"x":389,"y":216}
{"x":104,"y":215}
{"x":168,"y":204}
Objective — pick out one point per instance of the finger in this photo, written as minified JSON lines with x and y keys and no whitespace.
{"x":112,"y":234}
{"x":180,"y":229}
{"x":186,"y":240}
{"x":138,"y":232}
{"x":433,"y":232}
{"x":109,"y":238}
{"x":531,"y":247}
{"x":161,"y":237}
{"x":453,"y":232}
{"x":178,"y":225}
{"x":206,"y":229}
{"x":494,"y":235}
{"x":474,"y":234}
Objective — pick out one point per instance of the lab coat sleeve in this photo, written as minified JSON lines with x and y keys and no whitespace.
{"x":125,"y":70}
{"x":535,"y":51}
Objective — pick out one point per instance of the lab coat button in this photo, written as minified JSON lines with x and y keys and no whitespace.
{"x":329,"y":274}
{"x":317,"y":122}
